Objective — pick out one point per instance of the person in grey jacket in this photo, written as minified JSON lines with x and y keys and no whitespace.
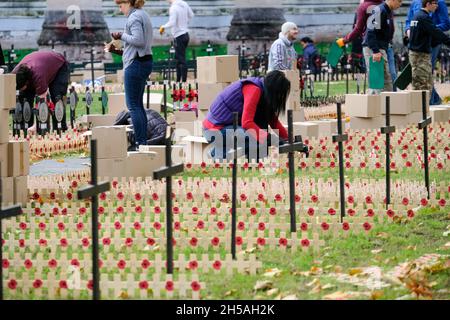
{"x":137,"y":61}
{"x":282,"y":53}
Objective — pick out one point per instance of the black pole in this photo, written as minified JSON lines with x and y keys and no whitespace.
{"x":148,"y":95}
{"x":92,"y":70}
{"x":240,"y":62}
{"x":165,"y":99}
{"x":341,"y":162}
{"x":425,"y":143}
{"x":234,"y":187}
{"x":169,"y":209}
{"x":388,"y":153}
{"x":95,"y":250}
{"x":328,"y":80}
{"x":291,"y":172}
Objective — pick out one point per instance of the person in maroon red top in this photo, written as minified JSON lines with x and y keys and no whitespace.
{"x":43,"y":73}
{"x":363,"y":13}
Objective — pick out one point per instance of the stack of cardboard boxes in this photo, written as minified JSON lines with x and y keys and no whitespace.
{"x":14,"y":155}
{"x":440,"y":113}
{"x":113,"y":160}
{"x":293,"y":101}
{"x":368,"y":111}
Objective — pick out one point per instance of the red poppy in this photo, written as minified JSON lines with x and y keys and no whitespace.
{"x":42,"y":226}
{"x":138,"y":197}
{"x":23,"y":226}
{"x":390,"y":213}
{"x":261,"y":226}
{"x":52,"y":263}
{"x":370,"y":212}
{"x":151,"y":241}
{"x":217,"y":165}
{"x":193,"y":265}
{"x":314,"y":198}
{"x":408,"y":164}
{"x":63,"y":242}
{"x":28,"y":264}
{"x":90,"y":284}
{"x":106,"y":241}
{"x":261,"y":241}
{"x":117,"y":225}
{"x":215,"y":241}
{"x":239,"y":241}
{"x":325,"y":226}
{"x":85,"y":242}
{"x":157,"y":210}
{"x":128,"y":242}
{"x":217,"y":265}
{"x":177,"y":225}
{"x":220,"y":225}
{"x":69,"y":196}
{"x":52,"y":196}
{"x":311,"y":212}
{"x":213,"y":211}
{"x":260,"y":197}
{"x":424,"y":202}
{"x":241,"y":226}
{"x":367,"y":226}
{"x":80,"y":226}
{"x":12,"y":284}
{"x":55,"y":211}
{"x":410,"y":213}
{"x":253,"y":211}
{"x":75,"y":263}
{"x":82,"y":211}
{"x":119,"y":210}
{"x":200,"y":224}
{"x":193,"y":242}
{"x":35,"y":196}
{"x":169,"y":286}
{"x":378,"y":165}
{"x":63,"y":284}
{"x":260,"y":165}
{"x":103,"y":196}
{"x":243,"y":197}
{"x":442,"y":202}
{"x":43,"y":242}
{"x":305,"y":243}
{"x":157,"y":225}
{"x":189,"y":196}
{"x":369,"y":200}
{"x":37,"y":283}
{"x":350,"y":199}
{"x":345,"y":226}
{"x":143,"y":285}
{"x":5,"y":264}
{"x":393,"y":165}
{"x":282,"y":242}
{"x":278,"y":197}
{"x":120,"y":195}
{"x":331,"y":212}
{"x":194,"y":210}
{"x":121,"y":264}
{"x":176,"y":210}
{"x":206,"y":195}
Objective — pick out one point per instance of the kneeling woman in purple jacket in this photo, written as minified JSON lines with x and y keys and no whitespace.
{"x":259,"y":102}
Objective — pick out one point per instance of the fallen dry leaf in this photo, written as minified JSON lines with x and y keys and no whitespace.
{"x":375,"y":295}
{"x":290,"y":297}
{"x":230,"y":292}
{"x":382,"y":235}
{"x":328,"y":286}
{"x":263,"y":285}
{"x":272,"y":292}
{"x":338,"y":295}
{"x":355,"y":271}
{"x":272,"y":273}
{"x":313,"y":283}
{"x":376,"y":251}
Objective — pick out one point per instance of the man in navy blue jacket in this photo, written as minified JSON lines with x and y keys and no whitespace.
{"x":380,"y":32}
{"x":423,"y":35}
{"x":442,"y":22}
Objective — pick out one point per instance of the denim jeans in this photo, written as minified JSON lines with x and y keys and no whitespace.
{"x":392,"y":66}
{"x":435,"y":99}
{"x":136,"y":76}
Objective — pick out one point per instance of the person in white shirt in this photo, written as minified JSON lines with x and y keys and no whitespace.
{"x":180,"y":15}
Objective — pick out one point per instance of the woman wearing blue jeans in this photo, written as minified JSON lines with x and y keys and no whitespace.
{"x":137,"y":61}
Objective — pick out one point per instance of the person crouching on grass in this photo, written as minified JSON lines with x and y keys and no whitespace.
{"x":137,"y":62}
{"x":259,"y":102}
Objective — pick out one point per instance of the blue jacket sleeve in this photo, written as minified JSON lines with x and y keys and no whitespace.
{"x":442,"y":12}
{"x":409,"y":17}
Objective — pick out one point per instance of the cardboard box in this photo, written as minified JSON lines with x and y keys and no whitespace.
{"x":208,"y":92}
{"x":177,"y":153}
{"x":362,"y":105}
{"x":197,"y":149}
{"x":399,"y":121}
{"x":400,"y":102}
{"x":116,"y":103}
{"x":142,"y":164}
{"x":415,"y":118}
{"x":112,"y":142}
{"x":297,"y":116}
{"x":184,"y":129}
{"x":439,"y":114}
{"x":7,"y":91}
{"x":87,"y":74}
{"x":416,"y":100}
{"x":217,"y":69}
{"x":357,"y":123}
{"x":7,"y":190}
{"x":327,"y":127}
{"x":185,"y":116}
{"x":77,"y":77}
{"x":156,"y":101}
{"x":3,"y":160}
{"x":21,"y":190}
{"x":294,"y":78}
{"x":306,"y":129}
{"x":4,"y":125}
{"x":112,"y":168}
{"x":97,"y":120}
{"x":18,"y":158}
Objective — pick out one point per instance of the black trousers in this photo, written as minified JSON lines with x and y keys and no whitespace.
{"x":181,"y":44}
